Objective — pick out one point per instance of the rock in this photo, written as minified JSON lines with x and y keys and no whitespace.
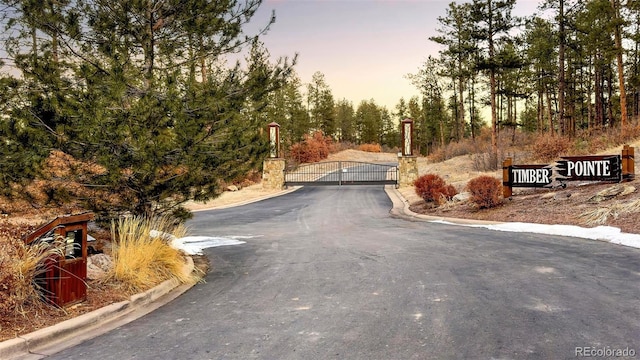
{"x":611,"y":192}
{"x":562,"y":196}
{"x":232,"y":188}
{"x":462,"y":197}
{"x":548,"y":195}
{"x":98,"y":265}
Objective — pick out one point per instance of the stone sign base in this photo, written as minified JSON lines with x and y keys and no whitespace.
{"x":407,"y":170}
{"x":273,"y":174}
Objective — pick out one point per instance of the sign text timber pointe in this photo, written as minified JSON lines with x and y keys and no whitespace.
{"x":569,"y":168}
{"x":589,"y":168}
{"x":528,"y":176}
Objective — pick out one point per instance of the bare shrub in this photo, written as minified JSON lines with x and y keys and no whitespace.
{"x":374,"y":148}
{"x":312,"y":149}
{"x":432,"y":188}
{"x":485,"y":161}
{"x":486,"y":191}
{"x":548,"y":147}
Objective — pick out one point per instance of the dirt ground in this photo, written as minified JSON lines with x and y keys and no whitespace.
{"x":562,"y":206}
{"x":570,"y":206}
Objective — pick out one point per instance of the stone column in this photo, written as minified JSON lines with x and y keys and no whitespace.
{"x":273,"y":174}
{"x":407,"y":162}
{"x":407,"y":170}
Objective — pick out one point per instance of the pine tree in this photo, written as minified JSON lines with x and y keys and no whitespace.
{"x":493,"y":21}
{"x":125,"y":96}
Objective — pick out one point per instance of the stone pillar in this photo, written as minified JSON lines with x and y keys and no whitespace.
{"x":273,"y":174}
{"x":407,"y":170}
{"x":407,"y":162}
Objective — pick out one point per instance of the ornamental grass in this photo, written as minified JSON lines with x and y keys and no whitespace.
{"x":142,"y":253}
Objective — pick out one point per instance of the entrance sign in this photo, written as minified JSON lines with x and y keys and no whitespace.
{"x":597,"y":168}
{"x":531,"y":175}
{"x":570,"y":168}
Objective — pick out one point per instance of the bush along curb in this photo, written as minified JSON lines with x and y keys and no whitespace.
{"x":69,"y":330}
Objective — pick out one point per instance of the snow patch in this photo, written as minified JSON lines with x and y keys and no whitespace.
{"x":193,"y":245}
{"x":604,"y":233}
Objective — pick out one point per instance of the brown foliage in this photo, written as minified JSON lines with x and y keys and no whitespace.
{"x":486,"y":191}
{"x":547,"y":147}
{"x":312,"y":149}
{"x":374,"y":148}
{"x":432,"y":188}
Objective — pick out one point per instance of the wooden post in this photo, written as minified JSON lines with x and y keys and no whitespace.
{"x":506,"y":179}
{"x":628,"y":163}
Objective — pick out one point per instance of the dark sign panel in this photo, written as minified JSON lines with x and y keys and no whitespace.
{"x":531,"y":175}
{"x":594,"y":168}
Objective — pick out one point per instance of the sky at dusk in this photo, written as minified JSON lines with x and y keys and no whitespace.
{"x":364,"y":48}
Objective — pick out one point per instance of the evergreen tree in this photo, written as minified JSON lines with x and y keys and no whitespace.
{"x":369,"y":123}
{"x":321,"y":105}
{"x":493,"y":22}
{"x":346,"y":119}
{"x":455,"y":35}
{"x":124,"y":96}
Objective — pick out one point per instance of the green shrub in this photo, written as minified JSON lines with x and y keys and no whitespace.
{"x":432,"y":188}
{"x":486,"y":191}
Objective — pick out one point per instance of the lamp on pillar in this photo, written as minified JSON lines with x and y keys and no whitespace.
{"x":274,"y":140}
{"x":407,"y":137}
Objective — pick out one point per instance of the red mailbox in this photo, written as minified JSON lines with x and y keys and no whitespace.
{"x":65,"y":279}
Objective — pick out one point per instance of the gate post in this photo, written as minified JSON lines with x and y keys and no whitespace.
{"x":507,"y":191}
{"x":407,"y":163}
{"x":628,"y":163}
{"x":273,"y":167}
{"x":273,"y":174}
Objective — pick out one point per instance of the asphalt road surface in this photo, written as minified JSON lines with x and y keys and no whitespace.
{"x":327,"y":273}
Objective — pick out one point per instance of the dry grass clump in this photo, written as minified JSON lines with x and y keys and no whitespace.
{"x":141,"y":260}
{"x":20,"y":266}
{"x":600,"y":216}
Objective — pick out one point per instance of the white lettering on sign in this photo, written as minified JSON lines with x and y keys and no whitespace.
{"x":531,"y":176}
{"x":589,"y":168}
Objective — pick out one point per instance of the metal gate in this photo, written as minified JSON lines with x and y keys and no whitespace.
{"x":342,"y":173}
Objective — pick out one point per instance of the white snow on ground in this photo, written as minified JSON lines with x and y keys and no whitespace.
{"x":603,"y":233}
{"x":193,"y":245}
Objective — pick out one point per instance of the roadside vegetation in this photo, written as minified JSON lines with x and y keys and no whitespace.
{"x":142,"y":253}
{"x":107,"y":120}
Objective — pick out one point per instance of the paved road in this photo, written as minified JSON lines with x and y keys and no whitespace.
{"x":331,"y":275}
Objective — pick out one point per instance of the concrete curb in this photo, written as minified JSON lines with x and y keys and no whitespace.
{"x":251,"y":201}
{"x":75,"y":330}
{"x":401,"y":209}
